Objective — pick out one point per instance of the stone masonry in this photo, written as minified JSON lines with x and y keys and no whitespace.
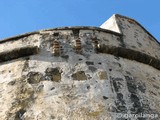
{"x":81,"y":73}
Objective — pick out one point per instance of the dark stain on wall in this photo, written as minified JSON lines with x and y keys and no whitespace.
{"x":89,"y":63}
{"x":156,"y":86}
{"x":142,"y":87}
{"x":119,"y":102}
{"x":26,"y":64}
{"x":12,"y":83}
{"x":80,"y":75}
{"x":53,"y":74}
{"x":116,"y":84}
{"x":76,"y":33}
{"x":19,"y":114}
{"x":91,"y":68}
{"x":34,"y":77}
{"x":137,"y":105}
{"x":137,"y":108}
{"x":122,"y":43}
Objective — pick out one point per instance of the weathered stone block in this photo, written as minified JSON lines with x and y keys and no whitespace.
{"x":34,"y":77}
{"x":80,"y":75}
{"x":53,"y":74}
{"x":102,"y":75}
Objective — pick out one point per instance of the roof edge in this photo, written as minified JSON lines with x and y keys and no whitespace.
{"x":59,"y":28}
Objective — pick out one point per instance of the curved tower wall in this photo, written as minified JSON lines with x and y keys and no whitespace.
{"x":77,"y":73}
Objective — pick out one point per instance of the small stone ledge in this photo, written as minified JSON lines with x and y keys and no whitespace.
{"x":130,"y":54}
{"x":18,"y":52}
{"x":14,"y":38}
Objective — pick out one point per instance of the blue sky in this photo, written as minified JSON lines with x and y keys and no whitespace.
{"x":21,"y":16}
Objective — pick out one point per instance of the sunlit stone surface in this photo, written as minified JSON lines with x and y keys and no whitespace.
{"x":81,"y":73}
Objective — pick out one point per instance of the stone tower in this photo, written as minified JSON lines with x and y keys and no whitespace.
{"x":81,"y":73}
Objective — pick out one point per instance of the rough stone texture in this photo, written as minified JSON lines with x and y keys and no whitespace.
{"x":135,"y":37}
{"x":80,"y":75}
{"x":102,"y":75}
{"x":101,"y":82}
